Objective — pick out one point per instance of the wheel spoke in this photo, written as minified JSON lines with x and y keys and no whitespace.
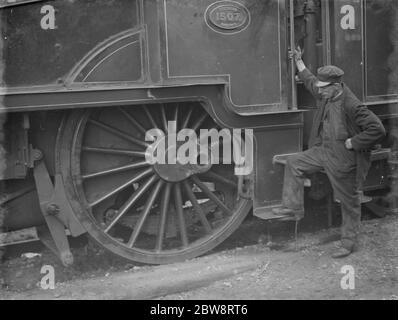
{"x":131,"y":201}
{"x":200,"y":121}
{"x":132,"y":166}
{"x":151,"y":119}
{"x":114,"y":151}
{"x":144,"y":214}
{"x":135,"y":179}
{"x":164,"y":117}
{"x":132,"y":120}
{"x":176,"y":114}
{"x":163,"y":217}
{"x":216,"y":177}
{"x":180,"y":213}
{"x":119,"y":133}
{"x":211,"y":195}
{"x":197,"y":207}
{"x":187,"y":118}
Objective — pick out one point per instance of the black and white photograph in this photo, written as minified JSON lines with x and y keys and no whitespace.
{"x":198,"y":155}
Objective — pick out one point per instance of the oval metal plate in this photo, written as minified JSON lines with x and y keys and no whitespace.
{"x":228,"y":17}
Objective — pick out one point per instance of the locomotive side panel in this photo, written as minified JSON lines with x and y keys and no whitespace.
{"x":231,"y":39}
{"x":54,"y":45}
{"x":44,"y":40}
{"x":364,"y":44}
{"x":347,"y":49}
{"x":381,"y":27}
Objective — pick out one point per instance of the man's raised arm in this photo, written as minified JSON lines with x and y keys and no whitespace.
{"x":305,"y":75}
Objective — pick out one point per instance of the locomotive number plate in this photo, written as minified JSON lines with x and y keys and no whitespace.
{"x":227,"y":17}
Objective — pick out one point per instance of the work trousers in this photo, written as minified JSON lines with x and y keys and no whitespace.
{"x":345,"y":187}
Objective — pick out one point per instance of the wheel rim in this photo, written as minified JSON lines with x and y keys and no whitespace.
{"x":129,"y":206}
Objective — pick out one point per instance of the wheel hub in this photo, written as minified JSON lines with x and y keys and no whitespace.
{"x":175,"y":171}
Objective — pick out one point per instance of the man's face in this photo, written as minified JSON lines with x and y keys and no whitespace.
{"x":330,"y":91}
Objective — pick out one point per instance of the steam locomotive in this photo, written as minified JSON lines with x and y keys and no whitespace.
{"x":83,"y":81}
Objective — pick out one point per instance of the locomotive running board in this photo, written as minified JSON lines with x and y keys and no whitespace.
{"x":18,"y":237}
{"x":13,"y":3}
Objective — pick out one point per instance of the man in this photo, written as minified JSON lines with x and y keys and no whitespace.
{"x":343,"y":132}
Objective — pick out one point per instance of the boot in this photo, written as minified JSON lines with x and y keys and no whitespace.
{"x":287,"y":212}
{"x":341,"y":253}
{"x":344,"y":251}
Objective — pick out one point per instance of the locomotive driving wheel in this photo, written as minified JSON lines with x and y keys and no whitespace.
{"x":146,"y":213}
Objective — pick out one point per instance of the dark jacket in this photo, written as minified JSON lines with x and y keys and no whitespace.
{"x":364,"y":127}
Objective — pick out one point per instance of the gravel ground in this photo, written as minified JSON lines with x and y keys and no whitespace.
{"x":250,"y":265}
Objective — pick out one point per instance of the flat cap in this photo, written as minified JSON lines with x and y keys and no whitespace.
{"x":329,"y":74}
